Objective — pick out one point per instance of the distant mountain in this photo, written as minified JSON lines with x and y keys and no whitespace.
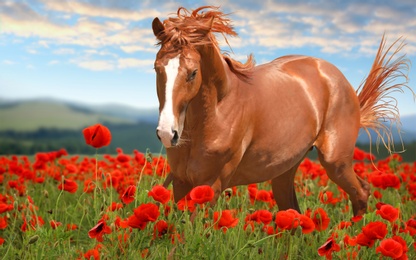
{"x":407,"y":132}
{"x":121,"y":111}
{"x":29,"y":115}
{"x":31,"y":126}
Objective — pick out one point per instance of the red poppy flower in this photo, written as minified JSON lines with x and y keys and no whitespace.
{"x":115,"y":206}
{"x":69,"y":186}
{"x":411,"y":226}
{"x":1,"y":241}
{"x":321,"y":219}
{"x":344,"y":225}
{"x":327,"y":197}
{"x":71,"y":226}
{"x":328,"y":247}
{"x":161,"y":228}
{"x":97,"y":136}
{"x":287,"y":219}
{"x":128,"y":195}
{"x":5,"y":207}
{"x":388,"y":212}
{"x":364,"y":240}
{"x":99,"y":230}
{"x":264,"y":195}
{"x":202,"y":194}
{"x":54,"y":224}
{"x":307,"y":224}
{"x":260,"y":216}
{"x":3,"y":222}
{"x":385,"y":181}
{"x":160,"y":194}
{"x":391,"y":248}
{"x":224,"y":220}
{"x":134,"y":222}
{"x":186,"y":203}
{"x":92,"y":254}
{"x":375,"y":230}
{"x":147,"y":212}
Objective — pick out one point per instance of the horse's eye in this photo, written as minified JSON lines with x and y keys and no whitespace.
{"x":192,"y":75}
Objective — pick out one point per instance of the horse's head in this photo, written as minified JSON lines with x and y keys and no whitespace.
{"x":178,"y":80}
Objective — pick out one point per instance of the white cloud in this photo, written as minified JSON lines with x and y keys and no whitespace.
{"x":87,"y":9}
{"x":134,"y":63}
{"x":64,"y":51}
{"x":96,"y":65}
{"x":53,"y":62}
{"x":9,"y":62}
{"x":137,"y":48}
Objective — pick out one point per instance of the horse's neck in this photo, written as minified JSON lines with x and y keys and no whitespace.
{"x":214,"y":73}
{"x":215,"y":86}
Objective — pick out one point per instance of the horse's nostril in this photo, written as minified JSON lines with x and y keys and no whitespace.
{"x":157,"y":134}
{"x":175,"y":137}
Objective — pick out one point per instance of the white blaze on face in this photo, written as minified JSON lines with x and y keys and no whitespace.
{"x":167,"y":119}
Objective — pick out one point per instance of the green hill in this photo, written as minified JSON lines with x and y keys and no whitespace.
{"x":33,"y":115}
{"x":28,"y":127}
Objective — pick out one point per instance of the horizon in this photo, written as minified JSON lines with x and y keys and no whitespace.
{"x":102,"y":53}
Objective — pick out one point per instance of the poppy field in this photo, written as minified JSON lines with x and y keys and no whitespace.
{"x":59,"y":206}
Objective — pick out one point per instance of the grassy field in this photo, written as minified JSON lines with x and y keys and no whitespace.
{"x":55,"y":206}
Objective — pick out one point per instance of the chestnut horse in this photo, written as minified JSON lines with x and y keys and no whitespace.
{"x":225,"y":123}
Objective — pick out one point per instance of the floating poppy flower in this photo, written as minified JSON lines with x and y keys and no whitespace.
{"x":224,"y":220}
{"x":160,"y":194}
{"x":391,"y":248}
{"x":69,"y":186}
{"x":99,"y":230}
{"x":328,"y":247}
{"x":128,"y":195}
{"x":388,"y":212}
{"x":202,"y":194}
{"x":97,"y":135}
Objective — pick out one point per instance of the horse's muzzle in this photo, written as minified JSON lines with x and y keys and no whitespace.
{"x":168,"y":139}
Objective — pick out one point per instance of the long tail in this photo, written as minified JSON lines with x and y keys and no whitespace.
{"x":387,"y":75}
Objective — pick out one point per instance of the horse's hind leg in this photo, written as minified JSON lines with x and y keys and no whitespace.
{"x":284,"y":190}
{"x":335,"y":154}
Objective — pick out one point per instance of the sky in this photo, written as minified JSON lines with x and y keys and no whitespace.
{"x":102,"y":52}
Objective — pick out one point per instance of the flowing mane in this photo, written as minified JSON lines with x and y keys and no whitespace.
{"x":196,"y":28}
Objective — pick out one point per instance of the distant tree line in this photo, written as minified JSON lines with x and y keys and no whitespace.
{"x":140,"y":136}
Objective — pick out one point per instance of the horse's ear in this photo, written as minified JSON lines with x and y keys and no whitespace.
{"x":158,"y":28}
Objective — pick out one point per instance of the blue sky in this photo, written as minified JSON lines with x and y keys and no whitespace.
{"x":101,"y":52}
